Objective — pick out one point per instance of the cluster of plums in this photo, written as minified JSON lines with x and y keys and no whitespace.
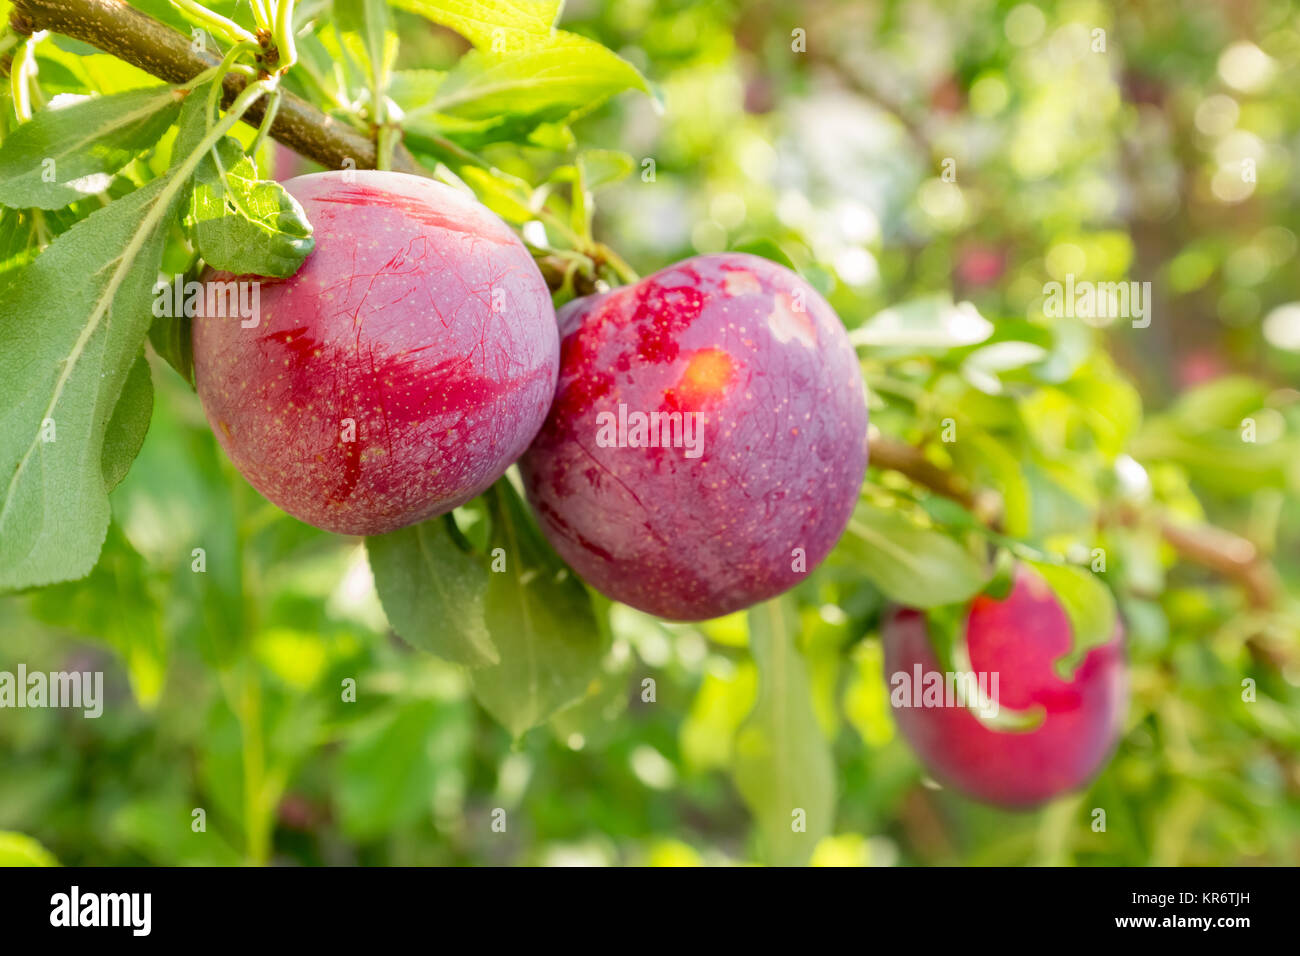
{"x":416,"y":355}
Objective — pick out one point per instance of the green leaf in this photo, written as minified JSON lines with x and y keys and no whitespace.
{"x":945,"y":511}
{"x":583,"y":208}
{"x":433,"y":591}
{"x":368,"y":22}
{"x":766,"y":249}
{"x":983,"y":368}
{"x":129,"y":424}
{"x":601,"y":167}
{"x":1221,"y":403}
{"x":497,"y":25}
{"x":782,"y":762}
{"x":945,"y":626}
{"x":1205,"y":432}
{"x":568,"y":75}
{"x":724,"y":700}
{"x":18,"y":243}
{"x":412,"y":89}
{"x":592,"y":169}
{"x":505,"y":195}
{"x":595,"y":718}
{"x":540,"y":619}
{"x":80,"y":146}
{"x":17,"y":849}
{"x":73,"y":321}
{"x":1088,"y":604}
{"x":243,"y":224}
{"x":915,"y":566}
{"x":989,"y":461}
{"x":170,"y":337}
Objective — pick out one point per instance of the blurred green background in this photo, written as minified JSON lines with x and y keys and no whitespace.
{"x":1112,"y":155}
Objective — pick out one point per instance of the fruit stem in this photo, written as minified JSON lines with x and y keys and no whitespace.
{"x":385,"y":141}
{"x":625,"y":272}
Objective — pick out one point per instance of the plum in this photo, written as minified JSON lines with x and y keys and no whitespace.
{"x":399,"y":372}
{"x":1018,"y":639}
{"x":708,"y":438}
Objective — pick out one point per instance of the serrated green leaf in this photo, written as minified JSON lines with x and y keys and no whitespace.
{"x":80,"y":146}
{"x":74,"y":321}
{"x":541,"y":621}
{"x":1088,"y":604}
{"x":783,"y":765}
{"x":243,"y":224}
{"x":915,"y":566}
{"x":433,"y":591}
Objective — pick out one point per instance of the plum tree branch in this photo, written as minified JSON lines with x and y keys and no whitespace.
{"x":1208,"y":546}
{"x":1227,"y":554}
{"x":910,"y":461}
{"x":137,"y":38}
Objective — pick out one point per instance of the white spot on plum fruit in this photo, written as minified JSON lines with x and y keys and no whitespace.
{"x":786,"y":323}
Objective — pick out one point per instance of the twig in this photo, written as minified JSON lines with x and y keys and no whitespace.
{"x":1221,"y":551}
{"x":1227,"y":554}
{"x":894,"y":455}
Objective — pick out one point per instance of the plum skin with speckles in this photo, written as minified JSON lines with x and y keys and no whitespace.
{"x":419,"y":318}
{"x":1019,"y":638}
{"x":762,"y":360}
